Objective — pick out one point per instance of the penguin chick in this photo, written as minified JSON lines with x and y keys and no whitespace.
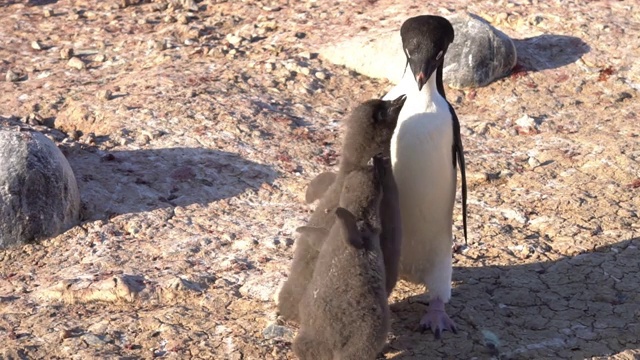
{"x":368,"y":132}
{"x":344,"y":312}
{"x":391,"y":233}
{"x":424,"y":149}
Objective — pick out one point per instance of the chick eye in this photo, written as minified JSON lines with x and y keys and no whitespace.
{"x":439,"y":55}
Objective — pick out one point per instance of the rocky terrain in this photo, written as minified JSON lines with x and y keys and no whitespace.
{"x":193,"y":128}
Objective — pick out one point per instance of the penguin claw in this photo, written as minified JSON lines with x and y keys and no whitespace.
{"x":437,"y":320}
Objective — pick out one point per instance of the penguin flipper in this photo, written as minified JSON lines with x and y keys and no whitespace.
{"x":349,"y":228}
{"x":318,"y":186}
{"x":459,"y":156}
{"x":315,"y":235}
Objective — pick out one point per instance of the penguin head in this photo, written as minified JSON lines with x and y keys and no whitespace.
{"x":369,"y":130}
{"x":425,"y":40}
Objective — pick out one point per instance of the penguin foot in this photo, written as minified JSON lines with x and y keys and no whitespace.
{"x":437,"y":319}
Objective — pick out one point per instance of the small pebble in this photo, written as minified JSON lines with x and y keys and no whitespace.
{"x":36,"y":45}
{"x":75,"y":135}
{"x":305,"y":55}
{"x":182,"y":19}
{"x":142,"y":139}
{"x":65,"y":334}
{"x":108,"y":157}
{"x":12,"y":76}
{"x":89,"y":138}
{"x":160,"y":7}
{"x":320,"y":75}
{"x":66,"y":53}
{"x":93,"y":340}
{"x":155,"y":134}
{"x":100,"y":58}
{"x":33,"y":119}
{"x":233,"y":39}
{"x":104,"y":94}
{"x":268,"y":25}
{"x":155,"y":45}
{"x":48,"y":13}
{"x":76,"y":63}
{"x":533,"y":162}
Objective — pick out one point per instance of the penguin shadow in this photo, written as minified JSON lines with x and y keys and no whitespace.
{"x":121,"y":182}
{"x":548,"y":51}
{"x":574,"y":308}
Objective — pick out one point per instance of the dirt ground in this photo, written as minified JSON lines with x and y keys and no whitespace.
{"x":193,"y":131}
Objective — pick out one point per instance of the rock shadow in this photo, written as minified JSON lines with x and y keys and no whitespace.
{"x":8,"y":3}
{"x":121,"y":182}
{"x":548,"y":52}
{"x":283,"y":110}
{"x":41,"y":2}
{"x":577,"y":307}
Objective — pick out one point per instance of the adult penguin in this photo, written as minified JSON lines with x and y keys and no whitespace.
{"x":425,"y":147}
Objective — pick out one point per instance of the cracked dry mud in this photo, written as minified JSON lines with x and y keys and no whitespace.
{"x":194,"y":133}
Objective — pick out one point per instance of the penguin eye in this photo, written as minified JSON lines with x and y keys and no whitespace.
{"x":439,"y":55}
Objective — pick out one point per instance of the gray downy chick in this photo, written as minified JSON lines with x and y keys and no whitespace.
{"x":344,"y":313}
{"x":368,"y":132}
{"x":391,"y":235}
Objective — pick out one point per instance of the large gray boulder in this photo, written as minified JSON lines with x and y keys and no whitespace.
{"x":479,"y":54}
{"x":39,"y":195}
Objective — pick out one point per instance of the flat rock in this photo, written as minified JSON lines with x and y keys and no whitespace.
{"x":479,"y":54}
{"x":82,"y":116}
{"x":260,"y":287}
{"x":39,"y":195}
{"x":274,"y":331}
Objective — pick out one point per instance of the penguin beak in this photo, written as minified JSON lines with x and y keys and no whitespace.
{"x":398,"y":102}
{"x":425,"y":73}
{"x":396,"y":105}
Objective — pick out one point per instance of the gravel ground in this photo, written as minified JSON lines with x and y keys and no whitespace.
{"x":193,"y":129}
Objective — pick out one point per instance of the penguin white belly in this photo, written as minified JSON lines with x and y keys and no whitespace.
{"x":421,"y":152}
